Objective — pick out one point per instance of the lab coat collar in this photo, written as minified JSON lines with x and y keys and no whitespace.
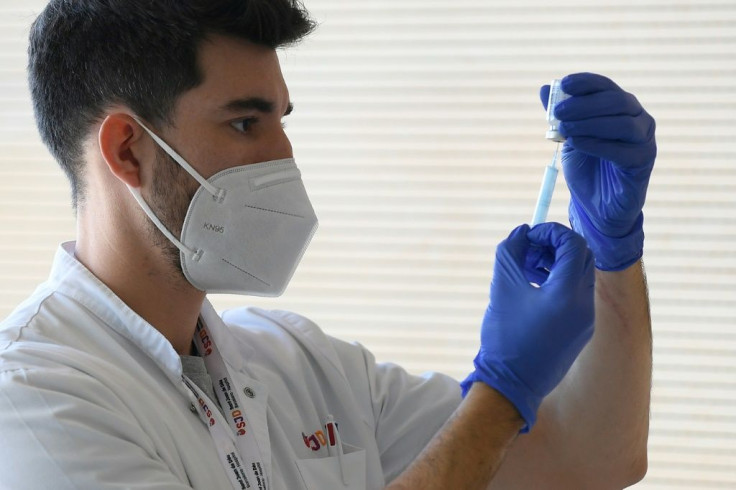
{"x":73,"y":279}
{"x":233,"y":350}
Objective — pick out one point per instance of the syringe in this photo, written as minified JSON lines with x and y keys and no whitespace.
{"x":545,"y":192}
{"x":556,"y":95}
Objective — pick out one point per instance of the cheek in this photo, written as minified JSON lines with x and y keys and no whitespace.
{"x":184,"y":194}
{"x":173,"y":189}
{"x":215,"y":151}
{"x":186,"y":187}
{"x":177,"y":202}
{"x":222,"y":156}
{"x":274,"y":145}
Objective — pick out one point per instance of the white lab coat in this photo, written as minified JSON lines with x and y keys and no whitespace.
{"x":92,"y":397}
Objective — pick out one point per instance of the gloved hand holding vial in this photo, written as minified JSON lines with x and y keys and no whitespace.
{"x":607,"y":159}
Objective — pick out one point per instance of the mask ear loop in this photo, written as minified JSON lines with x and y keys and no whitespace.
{"x":217,"y":194}
{"x":195,"y":254}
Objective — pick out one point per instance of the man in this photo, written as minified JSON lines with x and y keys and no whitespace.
{"x":117,"y":373}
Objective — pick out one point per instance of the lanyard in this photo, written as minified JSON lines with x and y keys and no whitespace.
{"x":236,"y":444}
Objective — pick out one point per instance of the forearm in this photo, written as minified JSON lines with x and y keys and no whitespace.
{"x":600,"y":411}
{"x":469,"y":448}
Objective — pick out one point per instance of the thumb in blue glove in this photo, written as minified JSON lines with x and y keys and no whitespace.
{"x":531,"y":335}
{"x":607,"y":161}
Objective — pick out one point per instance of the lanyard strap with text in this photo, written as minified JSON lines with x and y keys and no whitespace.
{"x":237,"y":445}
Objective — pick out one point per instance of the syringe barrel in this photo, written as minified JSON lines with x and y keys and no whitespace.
{"x":556,"y":95}
{"x":545,"y":195}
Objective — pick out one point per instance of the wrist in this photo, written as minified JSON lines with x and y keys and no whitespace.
{"x":505,"y":384}
{"x":612,"y":252}
{"x":495,"y":406}
{"x":469,"y":449}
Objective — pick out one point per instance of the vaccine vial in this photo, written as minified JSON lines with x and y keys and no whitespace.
{"x":556,"y":95}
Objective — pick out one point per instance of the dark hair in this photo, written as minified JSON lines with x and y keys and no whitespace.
{"x":86,"y":55}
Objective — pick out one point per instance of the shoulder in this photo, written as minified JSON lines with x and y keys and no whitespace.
{"x":285,"y":333}
{"x":33,"y":319}
{"x":260,"y":325}
{"x":52,"y":331}
{"x":266,"y":322}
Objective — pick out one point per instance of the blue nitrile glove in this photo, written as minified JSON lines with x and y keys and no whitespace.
{"x":531,"y":335}
{"x":607,"y":160}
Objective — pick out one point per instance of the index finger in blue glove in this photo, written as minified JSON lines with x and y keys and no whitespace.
{"x":624,"y":155}
{"x":599,"y":104}
{"x":523,"y":261}
{"x":586,"y":83}
{"x":628,"y":129}
{"x":511,"y":255}
{"x":572,"y":256}
{"x":538,"y":262}
{"x":580,"y":84}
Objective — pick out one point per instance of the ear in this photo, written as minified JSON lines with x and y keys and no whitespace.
{"x":123,"y":147}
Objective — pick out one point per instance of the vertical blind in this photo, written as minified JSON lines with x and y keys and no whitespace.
{"x":420,"y":135}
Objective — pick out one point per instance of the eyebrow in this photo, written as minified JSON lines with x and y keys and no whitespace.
{"x":250,"y":103}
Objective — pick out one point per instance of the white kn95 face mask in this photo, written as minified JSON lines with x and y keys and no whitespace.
{"x":246,"y":228}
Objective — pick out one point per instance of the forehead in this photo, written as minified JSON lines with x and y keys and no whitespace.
{"x":232,"y":69}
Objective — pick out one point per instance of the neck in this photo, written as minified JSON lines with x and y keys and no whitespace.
{"x":142,"y":278}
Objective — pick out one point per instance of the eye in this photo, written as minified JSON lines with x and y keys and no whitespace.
{"x":244,"y":125}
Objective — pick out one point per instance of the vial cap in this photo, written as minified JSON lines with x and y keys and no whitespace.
{"x":555,"y":135}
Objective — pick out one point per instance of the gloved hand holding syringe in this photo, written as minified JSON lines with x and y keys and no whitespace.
{"x":556,"y":95}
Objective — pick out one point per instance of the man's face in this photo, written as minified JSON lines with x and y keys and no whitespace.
{"x":233,"y":118}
